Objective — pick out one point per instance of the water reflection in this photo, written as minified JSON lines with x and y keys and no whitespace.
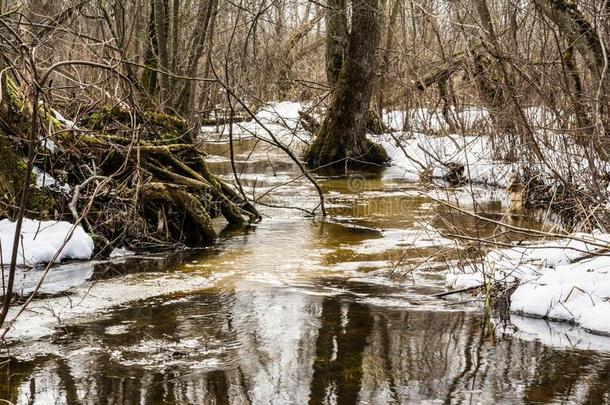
{"x":301,"y":311}
{"x":272,"y":346}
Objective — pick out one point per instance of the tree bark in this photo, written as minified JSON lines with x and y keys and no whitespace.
{"x":206,"y":10}
{"x":160,"y":15}
{"x":341,"y":139}
{"x":584,"y":38}
{"x":149,"y":77}
{"x":336,"y":39}
{"x":175,"y":34}
{"x":386,"y":56}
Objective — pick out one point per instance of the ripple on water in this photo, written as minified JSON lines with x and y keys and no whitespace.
{"x":295,"y":310}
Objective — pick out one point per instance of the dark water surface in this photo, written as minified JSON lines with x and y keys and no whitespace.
{"x":297,"y":311}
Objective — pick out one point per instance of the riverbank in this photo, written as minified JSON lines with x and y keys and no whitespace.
{"x":557,"y":280}
{"x":571,"y":291}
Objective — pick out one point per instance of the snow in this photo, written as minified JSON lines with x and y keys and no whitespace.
{"x":40,"y":241}
{"x":121,"y":252}
{"x":61,"y":278}
{"x":45,"y":180}
{"x":578,"y":293}
{"x":563,"y":280}
{"x":415,"y":152}
{"x":282,"y":119}
{"x":66,"y":122}
{"x":432,"y":120}
{"x":398,"y":239}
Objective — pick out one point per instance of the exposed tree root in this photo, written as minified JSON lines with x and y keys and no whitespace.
{"x":137,"y":178}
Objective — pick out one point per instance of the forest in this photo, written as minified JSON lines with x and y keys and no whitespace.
{"x":304,"y":201}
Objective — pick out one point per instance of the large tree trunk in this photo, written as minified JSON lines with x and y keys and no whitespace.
{"x":341,"y":138}
{"x":336,"y":39}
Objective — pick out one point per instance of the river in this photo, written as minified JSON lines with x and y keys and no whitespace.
{"x":297,"y":310}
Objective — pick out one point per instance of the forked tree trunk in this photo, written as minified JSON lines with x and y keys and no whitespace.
{"x":341,"y":138}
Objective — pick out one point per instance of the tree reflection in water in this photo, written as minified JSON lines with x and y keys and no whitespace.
{"x":270,"y":345}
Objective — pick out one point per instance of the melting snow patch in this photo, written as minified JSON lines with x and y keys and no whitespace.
{"x":66,"y":122}
{"x":45,"y":180}
{"x":281,"y":119}
{"x":416,"y":152}
{"x":40,"y":241}
{"x":117,"y":329}
{"x":565,"y":280}
{"x":394,"y":239}
{"x":425,"y":119}
{"x":121,"y":252}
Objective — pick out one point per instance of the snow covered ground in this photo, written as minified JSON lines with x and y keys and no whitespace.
{"x":432,"y":120}
{"x":427,"y":147}
{"x":41,"y":240}
{"x":415,"y":153}
{"x":281,"y":119}
{"x":564,"y":280}
{"x":560,"y":280}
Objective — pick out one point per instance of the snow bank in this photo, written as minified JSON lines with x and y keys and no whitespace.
{"x":578,"y":293}
{"x":40,"y":240}
{"x":413,"y":152}
{"x":282,"y":119}
{"x":564,"y":280}
{"x":416,"y":153}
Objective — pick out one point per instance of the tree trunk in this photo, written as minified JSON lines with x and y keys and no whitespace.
{"x":341,"y":138}
{"x":175,"y":34}
{"x":206,"y":10}
{"x":583,"y":36}
{"x":336,"y":39}
{"x":149,"y":77}
{"x":161,"y":25}
{"x":386,"y":56}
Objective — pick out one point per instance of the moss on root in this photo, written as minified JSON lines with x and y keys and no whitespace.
{"x":160,"y":192}
{"x":197,"y":226}
{"x":105,"y":116}
{"x":12,"y":176}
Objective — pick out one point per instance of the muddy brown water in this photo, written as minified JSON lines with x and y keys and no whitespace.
{"x":297,"y":310}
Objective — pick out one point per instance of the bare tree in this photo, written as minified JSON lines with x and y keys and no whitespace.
{"x":341,"y":138}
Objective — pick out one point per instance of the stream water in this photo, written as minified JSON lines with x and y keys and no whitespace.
{"x":297,"y":310}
